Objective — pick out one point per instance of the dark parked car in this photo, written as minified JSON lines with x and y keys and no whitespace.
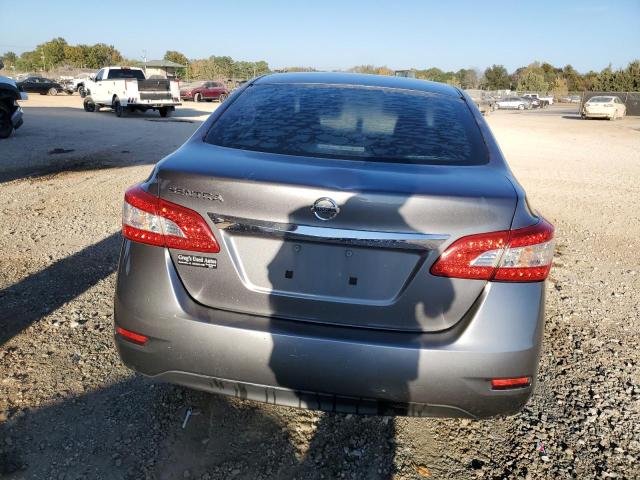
{"x":343,"y":242}
{"x":40,"y":85}
{"x":204,"y":91}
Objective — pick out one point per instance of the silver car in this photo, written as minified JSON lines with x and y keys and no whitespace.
{"x":351,"y":243}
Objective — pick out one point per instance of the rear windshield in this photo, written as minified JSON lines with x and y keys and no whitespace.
{"x":601,"y":100}
{"x":125,"y":73}
{"x":337,"y":121}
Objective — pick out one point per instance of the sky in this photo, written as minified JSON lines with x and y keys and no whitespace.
{"x":332,"y":34}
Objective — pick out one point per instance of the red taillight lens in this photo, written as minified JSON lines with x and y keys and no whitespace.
{"x":522,"y":255}
{"x":152,"y":220}
{"x":507,"y":383}
{"x":132,"y":336}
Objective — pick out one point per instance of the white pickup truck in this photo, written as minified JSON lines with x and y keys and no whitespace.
{"x":125,"y":90}
{"x":548,"y":98}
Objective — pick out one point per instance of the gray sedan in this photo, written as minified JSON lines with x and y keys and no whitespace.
{"x":342,"y":242}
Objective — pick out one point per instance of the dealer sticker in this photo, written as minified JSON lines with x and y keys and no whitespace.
{"x":197,"y":261}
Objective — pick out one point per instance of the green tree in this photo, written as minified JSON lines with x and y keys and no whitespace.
{"x":29,"y":62}
{"x":550,"y":72}
{"x":575,"y":81}
{"x":175,"y":56}
{"x":633,"y":71}
{"x":605,"y":80}
{"x":436,"y":75}
{"x":453,"y":81}
{"x":589,"y":80}
{"x":77,"y":55}
{"x":496,"y":77}
{"x":467,"y":78}
{"x":372,"y":69}
{"x":9,"y":59}
{"x":533,"y":81}
{"x":559,"y":87}
{"x":178,"y":57}
{"x":102,"y":55}
{"x":52,"y":52}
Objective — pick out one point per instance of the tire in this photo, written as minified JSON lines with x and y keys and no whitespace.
{"x":90,"y":106}
{"x":6,"y":129}
{"x":118,"y":108}
{"x":52,"y":91}
{"x":613,"y":117}
{"x":165,"y":111}
{"x":222,"y":97}
{"x":82,"y":91}
{"x":197,"y":97}
{"x":521,"y":106}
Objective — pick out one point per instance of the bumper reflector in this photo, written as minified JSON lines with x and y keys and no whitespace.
{"x":508,"y":383}
{"x":132,"y":336}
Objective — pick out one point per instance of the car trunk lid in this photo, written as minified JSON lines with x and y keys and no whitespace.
{"x":367,"y":267}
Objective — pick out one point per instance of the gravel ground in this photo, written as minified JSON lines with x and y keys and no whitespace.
{"x":70,"y":410}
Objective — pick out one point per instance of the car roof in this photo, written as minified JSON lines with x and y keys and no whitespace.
{"x":359,"y":79}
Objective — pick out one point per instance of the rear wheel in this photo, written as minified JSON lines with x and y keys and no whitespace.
{"x":165,"y":111}
{"x":222,"y":97}
{"x":521,"y":106}
{"x":197,"y":97}
{"x":52,"y":91}
{"x":5,"y":122}
{"x":118,"y":108}
{"x":82,"y":91}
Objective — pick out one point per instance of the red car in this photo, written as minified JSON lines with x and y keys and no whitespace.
{"x":201,"y":91}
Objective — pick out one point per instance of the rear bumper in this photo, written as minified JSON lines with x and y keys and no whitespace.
{"x":598,"y":114}
{"x":326,"y":367}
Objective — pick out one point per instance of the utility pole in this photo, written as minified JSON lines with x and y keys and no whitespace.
{"x":44,"y":65}
{"x":144,"y":59}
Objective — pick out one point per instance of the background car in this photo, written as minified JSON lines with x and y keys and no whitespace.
{"x":518,"y":103}
{"x":610,"y":107}
{"x":204,"y":91}
{"x":41,"y":85}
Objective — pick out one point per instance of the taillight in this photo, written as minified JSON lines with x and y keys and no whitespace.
{"x":522,"y":255}
{"x":154,"y":221}
{"x":509,"y":383}
{"x":132,"y":336}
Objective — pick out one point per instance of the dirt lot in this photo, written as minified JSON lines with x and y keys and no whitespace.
{"x":69,"y":409}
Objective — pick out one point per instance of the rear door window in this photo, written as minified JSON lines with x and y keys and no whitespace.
{"x":352,"y":122}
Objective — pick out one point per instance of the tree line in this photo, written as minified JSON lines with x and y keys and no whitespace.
{"x":58,"y":53}
{"x":537,"y":77}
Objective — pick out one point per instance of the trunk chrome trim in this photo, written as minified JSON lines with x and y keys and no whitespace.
{"x":360,"y":238}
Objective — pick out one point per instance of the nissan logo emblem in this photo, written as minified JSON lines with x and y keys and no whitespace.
{"x":325,"y":209}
